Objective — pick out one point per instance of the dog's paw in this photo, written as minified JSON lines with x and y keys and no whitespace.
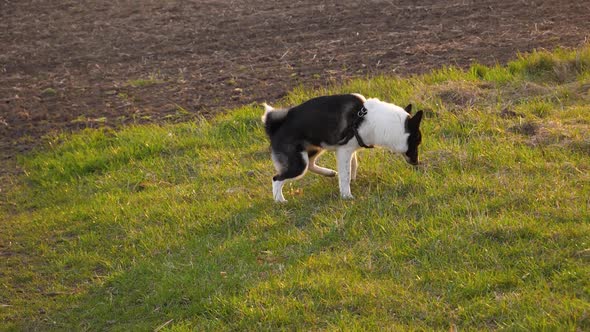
{"x":280,"y":200}
{"x":347,"y":196}
{"x":332,"y":174}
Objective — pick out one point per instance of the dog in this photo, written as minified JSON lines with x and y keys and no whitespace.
{"x":342,"y":123}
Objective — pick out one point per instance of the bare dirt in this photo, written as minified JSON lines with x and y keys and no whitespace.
{"x":68,"y":64}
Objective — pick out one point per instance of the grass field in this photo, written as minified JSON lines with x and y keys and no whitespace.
{"x":173,"y":227}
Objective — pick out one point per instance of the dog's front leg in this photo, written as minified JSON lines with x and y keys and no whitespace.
{"x":344,"y":156}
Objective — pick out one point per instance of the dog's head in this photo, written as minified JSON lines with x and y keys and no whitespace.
{"x":415,"y":137}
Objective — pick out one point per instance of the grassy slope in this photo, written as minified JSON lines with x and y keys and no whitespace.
{"x":133,"y":228}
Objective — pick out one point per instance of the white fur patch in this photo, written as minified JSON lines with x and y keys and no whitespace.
{"x":272,"y":113}
{"x":267,"y":108}
{"x":385,"y":125}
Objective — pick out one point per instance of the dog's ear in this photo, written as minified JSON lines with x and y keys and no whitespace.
{"x":418,"y":117}
{"x":414,"y":122}
{"x":408,"y":109}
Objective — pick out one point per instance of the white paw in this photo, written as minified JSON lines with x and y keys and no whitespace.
{"x":347,"y":196}
{"x":279,"y":198}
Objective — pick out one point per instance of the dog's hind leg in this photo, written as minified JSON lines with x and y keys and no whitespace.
{"x":354,"y":164}
{"x":313,"y":155}
{"x":277,"y":190}
{"x":290,"y":167}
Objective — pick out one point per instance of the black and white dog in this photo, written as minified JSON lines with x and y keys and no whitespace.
{"x":342,"y":123}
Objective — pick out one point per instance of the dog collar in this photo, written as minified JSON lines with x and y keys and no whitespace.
{"x":352,"y":130}
{"x":356,"y":124}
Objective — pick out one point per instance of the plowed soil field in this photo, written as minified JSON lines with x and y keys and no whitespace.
{"x":67,"y":65}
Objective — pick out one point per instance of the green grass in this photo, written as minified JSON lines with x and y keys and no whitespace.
{"x":147,"y":225}
{"x":49,"y":92}
{"x":153,"y":79}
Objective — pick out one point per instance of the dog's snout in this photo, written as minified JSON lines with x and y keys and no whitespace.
{"x":412,"y":161}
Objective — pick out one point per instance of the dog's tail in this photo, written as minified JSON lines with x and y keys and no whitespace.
{"x":273,"y":118}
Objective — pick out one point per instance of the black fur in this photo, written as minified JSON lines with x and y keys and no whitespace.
{"x":316,"y":121}
{"x":306,"y":127}
{"x":413,"y":127}
{"x":273,"y":122}
{"x":295,"y":167}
